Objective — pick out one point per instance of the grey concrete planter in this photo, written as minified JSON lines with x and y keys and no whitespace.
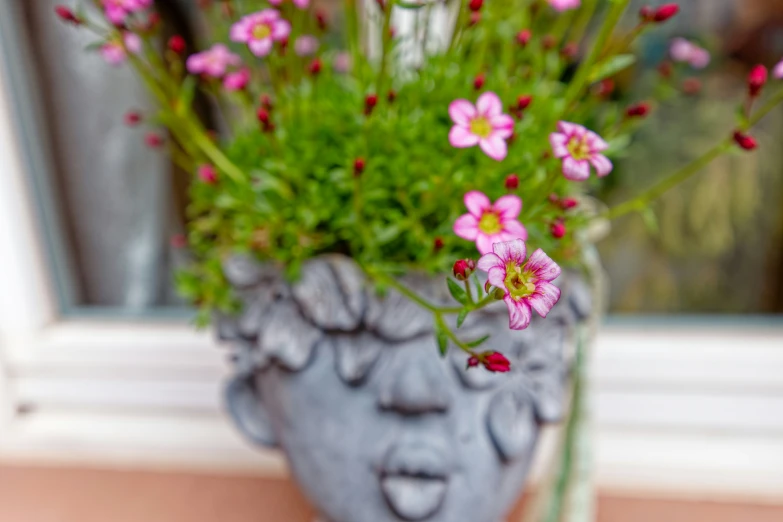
{"x":376,"y":426}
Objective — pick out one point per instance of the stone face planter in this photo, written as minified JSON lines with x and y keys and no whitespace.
{"x":376,"y":426}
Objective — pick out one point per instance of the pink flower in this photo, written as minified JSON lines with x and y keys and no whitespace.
{"x":306,"y":45}
{"x":115,"y":52}
{"x":484,"y":125}
{"x":777,"y":72}
{"x":564,"y":5}
{"x":342,"y":62}
{"x":579,"y":148}
{"x":117,"y":10}
{"x":237,"y":81}
{"x":487,"y":223}
{"x":301,"y":4}
{"x":527,"y":284}
{"x":207,"y":174}
{"x":682,"y":50}
{"x":260,"y":31}
{"x":213,"y":62}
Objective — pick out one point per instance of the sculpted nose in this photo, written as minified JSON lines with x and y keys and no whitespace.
{"x":416,"y":385}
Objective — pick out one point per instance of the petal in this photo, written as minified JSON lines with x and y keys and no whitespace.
{"x":495,"y":147}
{"x":545,"y":298}
{"x":489,"y":261}
{"x":519,"y":313}
{"x":461,"y":112}
{"x":489,"y":105}
{"x":280,"y":30}
{"x":508,"y":207}
{"x":576,"y":170}
{"x":260,"y":47}
{"x":477,"y":203}
{"x":513,"y":230}
{"x":461,"y":137}
{"x":777,"y":72}
{"x":239,"y":31}
{"x":570,"y":129}
{"x":502,"y":121}
{"x":596,"y":142}
{"x":514,"y":251}
{"x":543,"y":266}
{"x":195,"y":63}
{"x":497,"y":277}
{"x":484,"y":243}
{"x":602,"y":164}
{"x":559,"y":144}
{"x":466,"y":227}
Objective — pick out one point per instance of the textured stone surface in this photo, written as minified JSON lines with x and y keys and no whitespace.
{"x":375,"y":424}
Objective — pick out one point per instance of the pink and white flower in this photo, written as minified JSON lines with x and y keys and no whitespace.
{"x":116,"y":11}
{"x":301,"y":4}
{"x":237,"y":80}
{"x":115,"y":52}
{"x":682,"y":50}
{"x":579,"y":148}
{"x":261,"y":30}
{"x":527,"y":283}
{"x":306,"y":45}
{"x":564,"y":5}
{"x":487,"y":223}
{"x":483,"y":124}
{"x":213,"y":62}
{"x":777,"y":71}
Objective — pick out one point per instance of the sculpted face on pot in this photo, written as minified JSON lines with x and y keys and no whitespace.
{"x":375,"y":424}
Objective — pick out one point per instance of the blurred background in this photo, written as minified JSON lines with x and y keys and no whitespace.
{"x":105,"y":215}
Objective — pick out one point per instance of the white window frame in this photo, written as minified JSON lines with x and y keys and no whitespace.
{"x":692,"y":410}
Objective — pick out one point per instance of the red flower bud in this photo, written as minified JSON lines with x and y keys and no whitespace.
{"x":358,"y":166}
{"x":66,"y":15}
{"x":638,"y":110}
{"x":604,"y":88}
{"x":315,"y":67}
{"x":132,"y":118}
{"x":463,"y":268}
{"x":391,"y":96}
{"x":497,"y":362}
{"x":756,"y":80}
{"x":512,"y":182}
{"x":523,"y":37}
{"x":691,"y":86}
{"x":476,"y":5}
{"x":558,"y":230}
{"x":153,"y":140}
{"x":370,"y":101}
{"x":479,"y":81}
{"x":665,"y":12}
{"x":745,"y":141}
{"x":263,"y":115}
{"x":524,"y":101}
{"x":647,"y":13}
{"x":568,"y":203}
{"x":177,"y":44}
{"x":475,"y":18}
{"x":207,"y":174}
{"x":554,"y":198}
{"x":320,"y":18}
{"x":266,"y":102}
{"x":438,"y":243}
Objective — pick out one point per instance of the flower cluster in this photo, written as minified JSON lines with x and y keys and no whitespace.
{"x":416,"y":154}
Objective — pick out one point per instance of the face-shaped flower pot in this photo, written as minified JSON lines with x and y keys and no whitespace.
{"x":376,"y":425}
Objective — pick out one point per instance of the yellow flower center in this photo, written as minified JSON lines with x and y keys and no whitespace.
{"x":519,"y":282}
{"x":490,"y":223}
{"x":261,"y":31}
{"x":480,"y":127}
{"x":579,"y":148}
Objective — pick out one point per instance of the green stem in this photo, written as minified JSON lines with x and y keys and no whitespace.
{"x":581,"y":79}
{"x":386,"y":41}
{"x":469,"y":291}
{"x":410,"y":294}
{"x":657,"y":190}
{"x":452,"y":336}
{"x":459,"y":24}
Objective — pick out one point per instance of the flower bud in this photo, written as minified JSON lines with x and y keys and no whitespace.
{"x":177,"y":44}
{"x":479,"y":81}
{"x":476,"y":5}
{"x":569,"y":50}
{"x":463,"y":269}
{"x":475,"y":18}
{"x":153,"y":140}
{"x":496,"y":362}
{"x":358,"y":166}
{"x":207,"y":174}
{"x":132,"y":118}
{"x":512,"y":182}
{"x":370,"y":101}
{"x":391,"y":96}
{"x":320,"y":19}
{"x":745,"y":141}
{"x":438,"y":244}
{"x":263,"y":115}
{"x":638,"y":110}
{"x":604,"y":88}
{"x":523,"y":37}
{"x":665,"y":12}
{"x":568,"y":203}
{"x":756,"y":80}
{"x":558,"y":229}
{"x":67,"y":15}
{"x":554,"y":198}
{"x":524,"y":101}
{"x":266,"y":102}
{"x":315,"y":67}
